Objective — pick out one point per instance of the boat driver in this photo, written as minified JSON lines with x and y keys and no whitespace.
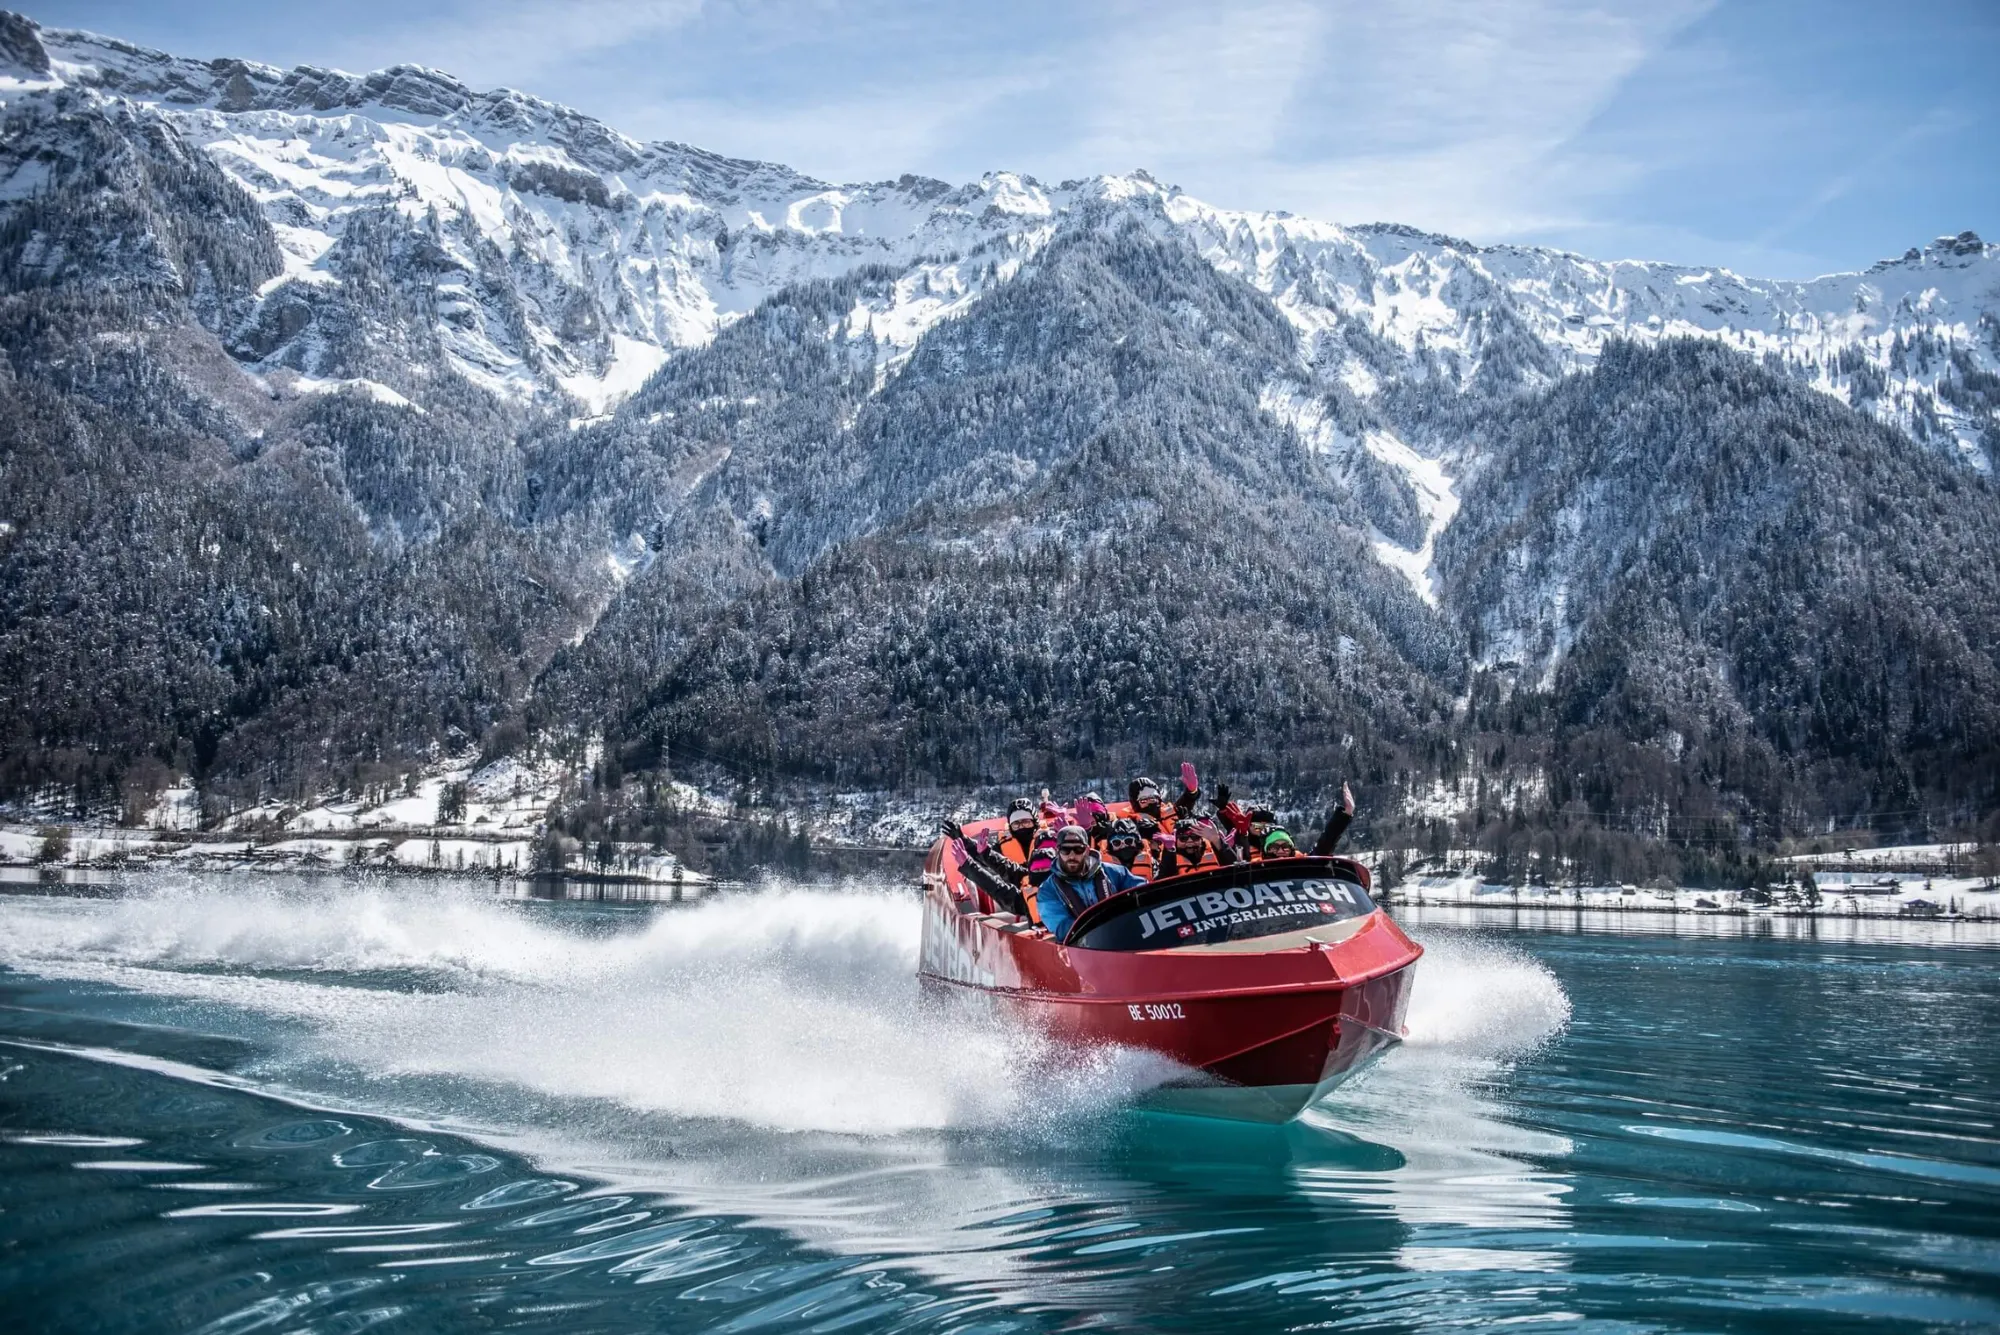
{"x":1080,"y":879}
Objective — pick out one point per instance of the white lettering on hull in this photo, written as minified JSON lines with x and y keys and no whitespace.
{"x":945,"y":956}
{"x":1166,"y":1010}
{"x":1238,"y":905}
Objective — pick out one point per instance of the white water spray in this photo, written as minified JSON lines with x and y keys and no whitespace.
{"x":793,"y":1010}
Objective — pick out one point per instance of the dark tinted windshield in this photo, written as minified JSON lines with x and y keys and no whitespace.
{"x":1156,"y":918}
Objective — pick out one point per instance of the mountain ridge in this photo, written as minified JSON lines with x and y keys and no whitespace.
{"x":1324,"y":275}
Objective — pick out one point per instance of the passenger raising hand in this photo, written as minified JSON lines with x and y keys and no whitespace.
{"x":1336,"y":824}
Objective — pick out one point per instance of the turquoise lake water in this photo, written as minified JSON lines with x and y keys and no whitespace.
{"x":231,"y":1106}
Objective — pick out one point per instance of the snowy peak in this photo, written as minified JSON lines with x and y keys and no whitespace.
{"x":411,"y":95}
{"x":1947,"y":252}
{"x":1383,"y":304}
{"x":21,"y":51}
{"x":550,"y":254}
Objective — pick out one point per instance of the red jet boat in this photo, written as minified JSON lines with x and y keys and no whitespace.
{"x":1271,"y":982}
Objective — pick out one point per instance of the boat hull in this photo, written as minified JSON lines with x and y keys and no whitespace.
{"x":1261,"y":1033}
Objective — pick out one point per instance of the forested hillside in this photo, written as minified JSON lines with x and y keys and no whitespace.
{"x":1702,"y":596}
{"x":1170,"y":570}
{"x":203,"y":576}
{"x":311,"y":476}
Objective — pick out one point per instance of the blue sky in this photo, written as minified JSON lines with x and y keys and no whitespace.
{"x":1784,"y":138}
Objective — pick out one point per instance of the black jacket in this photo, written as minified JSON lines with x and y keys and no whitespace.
{"x":1329,"y":838}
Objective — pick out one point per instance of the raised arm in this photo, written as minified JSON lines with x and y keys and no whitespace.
{"x":976,"y":864}
{"x":1336,"y":824}
{"x":1190,"y":792}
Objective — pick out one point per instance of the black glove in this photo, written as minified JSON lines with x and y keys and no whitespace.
{"x":1222,"y":794}
{"x":1148,"y":827}
{"x":954,"y":829}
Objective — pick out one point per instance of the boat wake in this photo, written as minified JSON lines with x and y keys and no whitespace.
{"x":1482,"y":1000}
{"x":793,"y":1010}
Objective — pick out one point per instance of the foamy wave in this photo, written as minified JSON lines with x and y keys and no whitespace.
{"x":794,"y":1010}
{"x":1478,"y":1005}
{"x":331,"y":928}
{"x":1480,"y":998}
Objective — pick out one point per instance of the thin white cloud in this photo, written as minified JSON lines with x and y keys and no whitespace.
{"x":1210,"y":82}
{"x":1413,"y":74}
{"x":865,"y":135}
{"x":518,"y":44}
{"x":1937,"y":121}
{"x":1456,"y":114}
{"x":1460,"y":114}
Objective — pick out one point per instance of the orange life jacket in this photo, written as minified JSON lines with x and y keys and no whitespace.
{"x":1142,"y":866}
{"x":1021,"y":848}
{"x":1017,"y":848}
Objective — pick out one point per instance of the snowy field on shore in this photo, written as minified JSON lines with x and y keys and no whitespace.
{"x":444,"y":850}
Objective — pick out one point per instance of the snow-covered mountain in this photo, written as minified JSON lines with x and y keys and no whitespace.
{"x":348,"y":418}
{"x":1901,"y":340}
{"x":564,"y":256}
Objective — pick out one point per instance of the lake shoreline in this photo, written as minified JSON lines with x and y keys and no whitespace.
{"x":579,"y":884}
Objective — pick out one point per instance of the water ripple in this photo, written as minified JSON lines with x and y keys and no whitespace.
{"x":1627,"y":1134}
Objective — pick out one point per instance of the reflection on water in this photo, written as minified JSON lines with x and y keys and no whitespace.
{"x":607,"y":891}
{"x":1709,"y":926}
{"x":334,"y":1106}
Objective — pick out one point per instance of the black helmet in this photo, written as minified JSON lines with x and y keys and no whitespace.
{"x":1124,"y":833}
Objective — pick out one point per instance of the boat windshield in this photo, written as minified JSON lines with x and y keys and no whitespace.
{"x":1167,"y":915}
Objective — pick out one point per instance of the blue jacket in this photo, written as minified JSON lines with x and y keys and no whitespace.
{"x":1107,"y":879}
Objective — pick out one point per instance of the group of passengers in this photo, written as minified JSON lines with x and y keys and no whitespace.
{"x":1055,"y":861}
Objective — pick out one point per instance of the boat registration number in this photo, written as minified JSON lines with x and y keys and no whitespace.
{"x":1166,"y":1011}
